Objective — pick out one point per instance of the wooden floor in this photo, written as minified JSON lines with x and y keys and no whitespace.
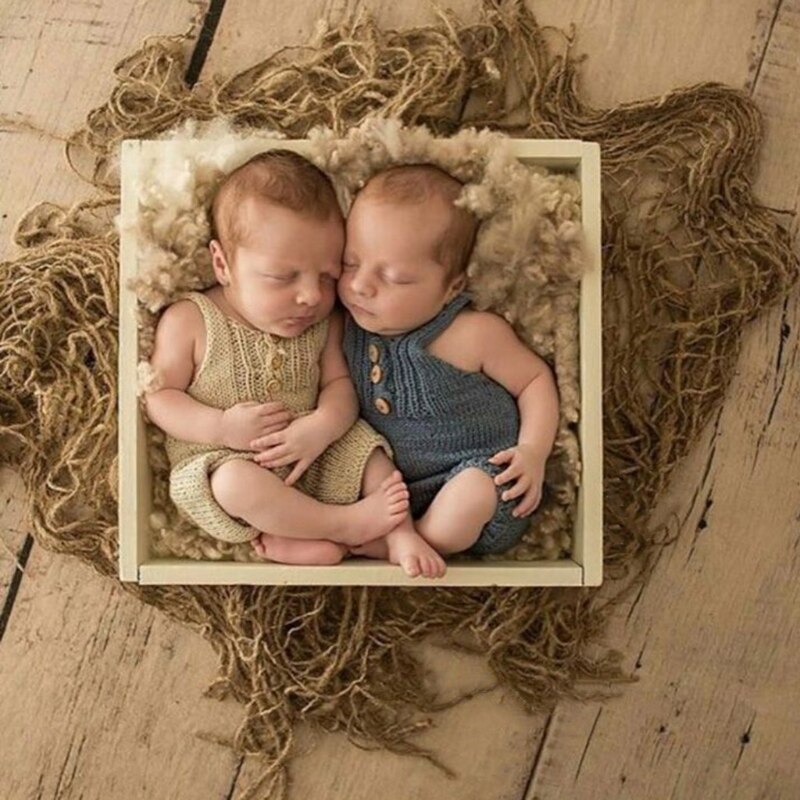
{"x":100,"y":697}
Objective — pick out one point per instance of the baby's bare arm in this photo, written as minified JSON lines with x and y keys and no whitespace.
{"x":173,"y":360}
{"x":505,"y":359}
{"x":337,"y":407}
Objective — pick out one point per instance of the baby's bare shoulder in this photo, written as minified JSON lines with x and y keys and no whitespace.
{"x":470,"y":326}
{"x":180,"y":336}
{"x":181,"y":313}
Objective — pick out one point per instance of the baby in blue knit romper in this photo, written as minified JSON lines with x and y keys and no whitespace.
{"x":469,"y":410}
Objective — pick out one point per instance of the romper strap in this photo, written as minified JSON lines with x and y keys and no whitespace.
{"x":430,"y":330}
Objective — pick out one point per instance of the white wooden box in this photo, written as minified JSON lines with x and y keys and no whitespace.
{"x":583,"y":568}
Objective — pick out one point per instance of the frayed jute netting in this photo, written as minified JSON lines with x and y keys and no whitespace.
{"x":689,"y":258}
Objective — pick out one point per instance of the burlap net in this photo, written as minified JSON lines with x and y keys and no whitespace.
{"x":690,"y":257}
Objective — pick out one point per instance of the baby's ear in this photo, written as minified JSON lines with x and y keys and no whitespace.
{"x":457,"y":285}
{"x":219,"y":262}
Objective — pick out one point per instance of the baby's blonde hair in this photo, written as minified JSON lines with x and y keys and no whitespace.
{"x":282,"y":177}
{"x":416,"y":183}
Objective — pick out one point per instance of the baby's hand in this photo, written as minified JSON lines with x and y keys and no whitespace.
{"x":526,"y":469}
{"x":299,"y":443}
{"x":246,"y":421}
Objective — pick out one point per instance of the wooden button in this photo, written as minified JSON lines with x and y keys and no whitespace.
{"x":374,"y":353}
{"x":383,"y":405}
{"x":376,"y":374}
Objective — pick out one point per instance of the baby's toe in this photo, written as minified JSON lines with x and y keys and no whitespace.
{"x":437,"y":568}
{"x":398,"y":505}
{"x":411,"y":566}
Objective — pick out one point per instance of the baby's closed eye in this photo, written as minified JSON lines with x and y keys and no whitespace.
{"x":279,"y":277}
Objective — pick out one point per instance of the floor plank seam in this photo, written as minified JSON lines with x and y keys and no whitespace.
{"x":586,"y":747}
{"x":16,"y":581}
{"x":766,"y":47}
{"x":204,"y":41}
{"x":542,"y":744}
{"x":744,"y":741}
{"x":229,"y":796}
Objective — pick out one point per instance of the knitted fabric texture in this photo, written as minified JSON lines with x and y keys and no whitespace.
{"x":437,"y":417}
{"x":240,"y":365}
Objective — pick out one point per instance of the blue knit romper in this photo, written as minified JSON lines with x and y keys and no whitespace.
{"x":438,"y":418}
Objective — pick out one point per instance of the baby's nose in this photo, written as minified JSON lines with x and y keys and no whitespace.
{"x":309,"y":295}
{"x":360,"y":285}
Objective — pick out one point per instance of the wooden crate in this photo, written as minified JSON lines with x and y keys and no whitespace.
{"x":583,"y":568}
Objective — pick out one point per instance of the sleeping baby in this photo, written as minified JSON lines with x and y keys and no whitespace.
{"x":470,"y":412}
{"x":254,"y":393}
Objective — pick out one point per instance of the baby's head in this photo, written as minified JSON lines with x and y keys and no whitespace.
{"x":407,"y":248}
{"x":277,"y":242}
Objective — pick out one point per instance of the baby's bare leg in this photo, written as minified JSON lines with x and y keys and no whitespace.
{"x":244,"y":489}
{"x":455,"y":518}
{"x":403,"y":545}
{"x":284,"y":550}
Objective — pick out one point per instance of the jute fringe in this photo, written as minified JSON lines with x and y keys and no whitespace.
{"x":690,"y":257}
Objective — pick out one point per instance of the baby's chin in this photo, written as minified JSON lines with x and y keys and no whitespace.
{"x":371,"y":324}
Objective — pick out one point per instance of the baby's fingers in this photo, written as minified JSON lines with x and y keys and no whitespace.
{"x":280,"y":461}
{"x":265,"y":442}
{"x":519,"y":488}
{"x":299,"y":468}
{"x":529,"y":503}
{"x":508,"y":475}
{"x":275,"y":422}
{"x":273,"y":407}
{"x":503,"y":457}
{"x":268,"y":457}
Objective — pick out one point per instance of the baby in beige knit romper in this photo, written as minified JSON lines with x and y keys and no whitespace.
{"x":254,"y":391}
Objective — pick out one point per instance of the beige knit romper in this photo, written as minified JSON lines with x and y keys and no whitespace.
{"x":242,"y":364}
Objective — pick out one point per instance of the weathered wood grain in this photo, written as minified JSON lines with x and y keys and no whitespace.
{"x":56,"y":64}
{"x":487,"y":741}
{"x":717,"y":629}
{"x":101,"y":696}
{"x":90,"y":679}
{"x":657,"y":51}
{"x":643,"y":48}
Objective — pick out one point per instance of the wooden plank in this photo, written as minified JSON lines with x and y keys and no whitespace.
{"x":471,"y":739}
{"x":495,"y":738}
{"x":641,"y":48}
{"x":15,"y":541}
{"x":716,"y":628}
{"x":67,"y":708}
{"x":660,"y":50}
{"x":101,"y":696}
{"x":239,"y":43}
{"x":359,"y":572}
{"x":56,"y":61}
{"x":40,"y":43}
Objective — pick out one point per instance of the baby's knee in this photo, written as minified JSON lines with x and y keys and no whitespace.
{"x":476,"y":494}
{"x":229,"y":486}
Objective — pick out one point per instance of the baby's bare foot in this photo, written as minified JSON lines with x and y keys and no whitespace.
{"x":310,"y":552}
{"x":375,"y":515}
{"x":417,"y":558}
{"x":258,"y":546}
